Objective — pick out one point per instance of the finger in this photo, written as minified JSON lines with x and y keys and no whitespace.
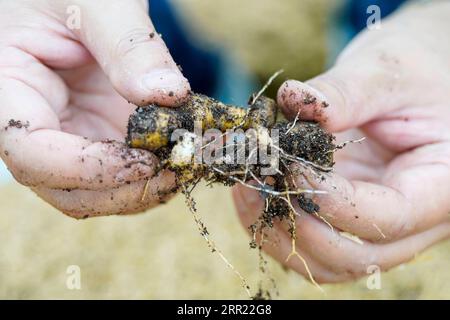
{"x":126,"y":199}
{"x":346,"y":258}
{"x":350,"y":259}
{"x":420,"y":175}
{"x":19,"y":66}
{"x":409,"y":128}
{"x":404,"y":203}
{"x":120,"y":35}
{"x":39,"y":34}
{"x":277,"y":243}
{"x":347,"y":96}
{"x":370,"y":211}
{"x":336,"y":257}
{"x":40,"y":155}
{"x":250,"y":205}
{"x":56,"y":159}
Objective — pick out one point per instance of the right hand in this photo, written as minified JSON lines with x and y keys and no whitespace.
{"x":392,"y":191}
{"x":64,"y":91}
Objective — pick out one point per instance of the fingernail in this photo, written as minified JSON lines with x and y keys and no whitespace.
{"x":163,"y":79}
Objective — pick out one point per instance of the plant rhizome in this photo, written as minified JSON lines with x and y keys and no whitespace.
{"x":178,"y":135}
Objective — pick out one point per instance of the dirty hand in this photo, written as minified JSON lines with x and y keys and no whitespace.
{"x":64,"y":90}
{"x":391,"y":86}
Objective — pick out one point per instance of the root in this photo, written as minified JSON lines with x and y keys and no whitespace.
{"x":345,"y":143}
{"x":294,"y":253}
{"x":268,"y":191}
{"x":264,"y":271}
{"x":205,"y":234}
{"x":266,"y":85}
{"x":351,"y":237}
{"x":300,"y":143}
{"x":293,"y":232}
{"x":145,"y":191}
{"x":297,"y":116}
{"x":379,"y":230}
{"x":324,"y":220}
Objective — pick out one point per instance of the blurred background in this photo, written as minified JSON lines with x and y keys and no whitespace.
{"x":227,"y":48}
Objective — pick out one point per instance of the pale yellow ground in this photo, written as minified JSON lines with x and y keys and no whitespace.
{"x":160,"y":254}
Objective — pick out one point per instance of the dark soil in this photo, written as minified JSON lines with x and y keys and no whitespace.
{"x":302,"y":143}
{"x":300,"y":140}
{"x":17,"y":124}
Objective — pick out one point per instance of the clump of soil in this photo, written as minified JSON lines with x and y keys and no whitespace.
{"x":18,"y":124}
{"x":301,"y":143}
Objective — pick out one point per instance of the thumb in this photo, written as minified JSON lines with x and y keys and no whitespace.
{"x":123,"y":40}
{"x":342,"y":98}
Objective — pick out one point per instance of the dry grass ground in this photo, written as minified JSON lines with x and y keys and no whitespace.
{"x":160,"y":254}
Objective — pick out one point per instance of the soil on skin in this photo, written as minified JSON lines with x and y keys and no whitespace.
{"x":18,"y":124}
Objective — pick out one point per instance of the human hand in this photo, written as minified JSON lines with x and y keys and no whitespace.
{"x":64,"y":91}
{"x":392,"y":191}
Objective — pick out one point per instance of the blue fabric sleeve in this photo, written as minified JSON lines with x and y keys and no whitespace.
{"x":199,"y":66}
{"x":357,"y":11}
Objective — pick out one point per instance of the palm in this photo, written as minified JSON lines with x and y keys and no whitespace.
{"x":361,"y":161}
{"x":95,"y":110}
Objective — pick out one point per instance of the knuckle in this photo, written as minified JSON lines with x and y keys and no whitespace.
{"x":20,"y":175}
{"x":404,"y":225}
{"x":12,"y":57}
{"x":71,"y":214}
{"x":319,"y":278}
{"x":136,"y":38}
{"x":349,"y":272}
{"x":74,"y":214}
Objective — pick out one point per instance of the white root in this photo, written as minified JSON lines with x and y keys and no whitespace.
{"x":267,"y":84}
{"x":351,"y":237}
{"x":184,"y":150}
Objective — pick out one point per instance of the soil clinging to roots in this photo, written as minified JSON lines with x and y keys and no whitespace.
{"x":301,"y":143}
